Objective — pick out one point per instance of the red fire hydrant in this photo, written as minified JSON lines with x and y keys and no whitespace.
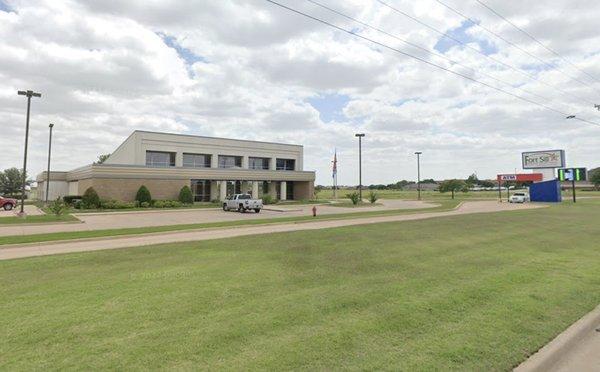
{"x":314,"y":209}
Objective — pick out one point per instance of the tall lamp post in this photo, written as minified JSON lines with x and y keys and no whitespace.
{"x":49,"y":153}
{"x":418,"y":153}
{"x":360,"y":136}
{"x":28,"y":94}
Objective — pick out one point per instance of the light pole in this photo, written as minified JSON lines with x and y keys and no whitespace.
{"x":29,"y":94}
{"x":360,"y":136}
{"x":49,"y":153}
{"x":418,"y":153}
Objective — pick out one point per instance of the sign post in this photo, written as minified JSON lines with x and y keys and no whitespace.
{"x":572,"y":174}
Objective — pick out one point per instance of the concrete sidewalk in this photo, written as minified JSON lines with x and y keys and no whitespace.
{"x":42,"y":249}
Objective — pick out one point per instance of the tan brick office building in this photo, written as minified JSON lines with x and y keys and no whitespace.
{"x":212,"y":167}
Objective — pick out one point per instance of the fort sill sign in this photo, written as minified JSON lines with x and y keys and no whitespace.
{"x":543,"y":159}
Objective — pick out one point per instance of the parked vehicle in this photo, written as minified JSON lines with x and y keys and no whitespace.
{"x":242,"y":203}
{"x":519,"y":197}
{"x":7,"y":203}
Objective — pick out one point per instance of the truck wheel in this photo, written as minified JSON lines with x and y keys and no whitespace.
{"x":241,"y":209}
{"x":8,"y":207}
{"x":225,"y":207}
{"x":257,"y":210}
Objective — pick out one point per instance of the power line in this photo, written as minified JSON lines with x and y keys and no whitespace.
{"x":350,"y":32}
{"x":534,"y":39}
{"x":440,"y":55}
{"x":551,"y":65}
{"x":444,"y":34}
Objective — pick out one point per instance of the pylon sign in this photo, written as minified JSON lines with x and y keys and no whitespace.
{"x":572,"y":174}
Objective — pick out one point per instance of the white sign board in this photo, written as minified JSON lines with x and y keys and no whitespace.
{"x":544,"y":159}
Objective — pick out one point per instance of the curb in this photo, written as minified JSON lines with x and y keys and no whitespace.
{"x":552,"y":353}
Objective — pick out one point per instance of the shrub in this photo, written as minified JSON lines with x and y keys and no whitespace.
{"x":373,"y":197}
{"x":145,"y":204}
{"x":143,"y":196}
{"x":90,"y":199}
{"x":354,"y":197}
{"x":215,"y":201}
{"x":159,"y":204}
{"x":57,"y":207}
{"x":71,"y":199}
{"x":268,"y":199}
{"x":185,"y":195}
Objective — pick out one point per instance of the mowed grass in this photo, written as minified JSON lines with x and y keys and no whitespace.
{"x":444,"y":205}
{"x":473,"y":292}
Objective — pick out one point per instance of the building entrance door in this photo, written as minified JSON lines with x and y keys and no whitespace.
{"x":201,"y":190}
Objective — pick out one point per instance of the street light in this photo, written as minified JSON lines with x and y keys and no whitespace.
{"x":360,"y":136}
{"x":49,"y":153}
{"x":418,"y":153}
{"x":29,"y":94}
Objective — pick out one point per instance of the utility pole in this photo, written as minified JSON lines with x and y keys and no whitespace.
{"x":418,"y":153}
{"x":29,"y":94}
{"x":360,"y":136}
{"x":49,"y":153}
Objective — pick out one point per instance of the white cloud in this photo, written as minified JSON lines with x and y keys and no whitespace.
{"x":104,"y":69}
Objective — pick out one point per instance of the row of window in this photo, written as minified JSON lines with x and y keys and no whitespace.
{"x":167,"y":159}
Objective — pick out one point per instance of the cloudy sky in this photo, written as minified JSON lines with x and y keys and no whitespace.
{"x":249,"y":69}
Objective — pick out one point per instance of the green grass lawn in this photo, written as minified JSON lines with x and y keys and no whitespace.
{"x":47,"y":218}
{"x":444,"y":205}
{"x":475,"y":292}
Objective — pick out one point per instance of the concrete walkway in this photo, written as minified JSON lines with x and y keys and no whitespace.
{"x":42,"y":249}
{"x":127,"y":219}
{"x":31,"y":210}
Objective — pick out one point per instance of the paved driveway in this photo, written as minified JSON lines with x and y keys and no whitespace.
{"x":31,"y":210}
{"x":116,"y":220}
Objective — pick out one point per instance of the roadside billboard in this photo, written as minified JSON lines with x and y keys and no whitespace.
{"x":543,"y":159}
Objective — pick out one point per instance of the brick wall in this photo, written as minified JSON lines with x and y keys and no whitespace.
{"x":125,"y":189}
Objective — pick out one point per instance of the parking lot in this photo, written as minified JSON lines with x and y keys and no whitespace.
{"x":115,"y":220}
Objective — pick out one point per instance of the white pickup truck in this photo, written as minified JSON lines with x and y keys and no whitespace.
{"x":242,"y":203}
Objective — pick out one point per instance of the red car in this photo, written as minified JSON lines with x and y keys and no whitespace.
{"x":7,"y":203}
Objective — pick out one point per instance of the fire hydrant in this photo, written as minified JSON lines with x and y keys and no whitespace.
{"x":314,"y":210}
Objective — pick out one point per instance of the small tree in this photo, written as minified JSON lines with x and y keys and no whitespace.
{"x":185,"y":195}
{"x":143,"y":195}
{"x":11,"y":181}
{"x":102,"y":158}
{"x":57,"y":207}
{"x":452,"y":186}
{"x":354,"y":197}
{"x":90,"y":199}
{"x":373,"y":197}
{"x":595,"y":178}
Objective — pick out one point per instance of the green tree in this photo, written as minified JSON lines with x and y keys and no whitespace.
{"x":90,"y":199}
{"x":453,"y":186}
{"x":143,"y":195}
{"x":595,"y":178}
{"x":58,"y":207}
{"x":185,"y":195}
{"x":11,"y":181}
{"x":472,"y":180}
{"x":102,"y":158}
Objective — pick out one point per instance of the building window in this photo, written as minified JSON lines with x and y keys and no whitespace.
{"x":196,"y":160}
{"x":226,"y":161}
{"x":258,"y":163}
{"x":160,"y":159}
{"x":286,"y":164}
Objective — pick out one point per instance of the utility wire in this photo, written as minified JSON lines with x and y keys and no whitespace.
{"x":551,"y":65}
{"x":440,"y":55}
{"x":444,"y":34}
{"x":534,"y":39}
{"x":350,"y":32}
